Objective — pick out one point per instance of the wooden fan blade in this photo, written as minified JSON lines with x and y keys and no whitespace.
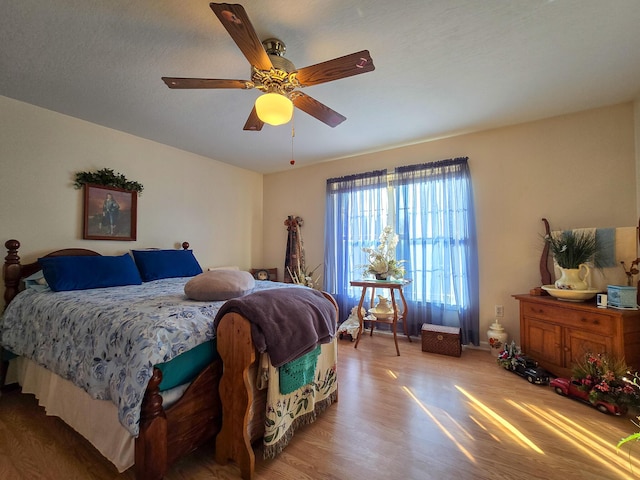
{"x":342,"y":67}
{"x":316,"y":109}
{"x":253,"y":122}
{"x":236,"y":21}
{"x":175,"y":82}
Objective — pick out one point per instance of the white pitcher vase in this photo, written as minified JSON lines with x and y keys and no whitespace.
{"x":574,"y":278}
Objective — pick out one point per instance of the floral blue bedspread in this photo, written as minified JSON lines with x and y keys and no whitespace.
{"x":107,"y":340}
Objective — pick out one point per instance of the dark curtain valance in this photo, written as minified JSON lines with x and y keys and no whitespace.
{"x":358,"y":180}
{"x":439,"y":166}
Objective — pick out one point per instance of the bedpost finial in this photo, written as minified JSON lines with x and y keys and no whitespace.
{"x":12,"y":245}
{"x":185,"y":245}
{"x":12,"y":257}
{"x":11,"y":270}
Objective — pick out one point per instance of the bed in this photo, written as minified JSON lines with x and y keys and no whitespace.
{"x":222,"y":398}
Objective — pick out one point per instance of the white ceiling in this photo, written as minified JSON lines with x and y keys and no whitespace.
{"x":443,"y":67}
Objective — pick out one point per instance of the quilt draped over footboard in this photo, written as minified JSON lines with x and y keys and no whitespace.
{"x":286,"y":323}
{"x":285,"y":413}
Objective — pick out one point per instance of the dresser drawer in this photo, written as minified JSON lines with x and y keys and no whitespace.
{"x":591,"y":321}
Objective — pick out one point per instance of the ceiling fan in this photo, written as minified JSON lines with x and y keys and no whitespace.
{"x":274,"y":75}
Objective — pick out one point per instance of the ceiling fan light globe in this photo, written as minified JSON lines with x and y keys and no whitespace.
{"x":274,"y":109}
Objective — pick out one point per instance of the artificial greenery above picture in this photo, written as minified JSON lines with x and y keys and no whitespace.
{"x":107,"y":178}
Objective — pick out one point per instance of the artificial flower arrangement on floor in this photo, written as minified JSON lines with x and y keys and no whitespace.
{"x":508,"y":355}
{"x":382,"y":259}
{"x":511,"y":358}
{"x":607,"y":379}
{"x":603,"y":382}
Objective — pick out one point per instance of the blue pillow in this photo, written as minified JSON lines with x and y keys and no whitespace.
{"x":83,"y":272}
{"x":156,"y":264}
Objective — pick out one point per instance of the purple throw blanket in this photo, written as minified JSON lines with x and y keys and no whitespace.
{"x":285,"y":322}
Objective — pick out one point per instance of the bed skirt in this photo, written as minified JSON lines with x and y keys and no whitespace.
{"x":95,"y":420}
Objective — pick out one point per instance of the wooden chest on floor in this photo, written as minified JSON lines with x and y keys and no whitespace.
{"x":441,"y":339}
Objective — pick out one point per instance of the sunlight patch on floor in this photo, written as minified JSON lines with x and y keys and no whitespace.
{"x":440,"y":425}
{"x":505,"y":425}
{"x":460,"y":427}
{"x":481,"y":425}
{"x":595,"y":447}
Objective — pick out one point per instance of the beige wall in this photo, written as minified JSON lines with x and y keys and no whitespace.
{"x":217,"y":208}
{"x":576,"y":170}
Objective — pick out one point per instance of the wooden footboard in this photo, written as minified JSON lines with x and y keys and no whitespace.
{"x":167,"y":435}
{"x":238,"y":354}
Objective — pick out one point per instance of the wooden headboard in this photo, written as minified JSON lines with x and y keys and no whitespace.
{"x":13,"y":272}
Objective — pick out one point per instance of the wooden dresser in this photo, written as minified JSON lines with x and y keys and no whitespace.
{"x":556,"y":332}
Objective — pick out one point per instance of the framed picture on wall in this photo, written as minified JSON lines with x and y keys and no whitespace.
{"x":109,"y":213}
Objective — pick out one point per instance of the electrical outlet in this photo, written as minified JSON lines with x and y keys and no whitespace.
{"x":499,"y":311}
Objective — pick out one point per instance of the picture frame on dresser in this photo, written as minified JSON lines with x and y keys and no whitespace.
{"x":110,"y":213}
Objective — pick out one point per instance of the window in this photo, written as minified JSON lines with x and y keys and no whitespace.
{"x":430,"y":207}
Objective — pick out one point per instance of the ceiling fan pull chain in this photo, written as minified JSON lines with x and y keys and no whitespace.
{"x":293,"y":134}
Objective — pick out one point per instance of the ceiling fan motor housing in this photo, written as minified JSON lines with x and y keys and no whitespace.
{"x":274,"y":46}
{"x":282,"y":77}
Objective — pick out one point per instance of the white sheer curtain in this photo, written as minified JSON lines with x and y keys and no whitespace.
{"x":356,"y":213}
{"x":435,"y":220}
{"x":431,"y":209}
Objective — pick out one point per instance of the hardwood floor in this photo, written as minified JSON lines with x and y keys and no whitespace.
{"x":417,"y":416}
